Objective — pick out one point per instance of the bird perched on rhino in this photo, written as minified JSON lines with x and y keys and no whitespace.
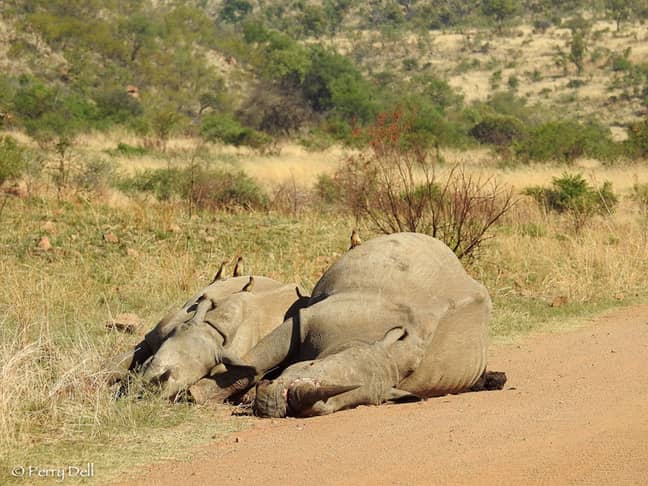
{"x":355,"y":239}
{"x":219,"y":273}
{"x":248,"y":286}
{"x":238,"y":268}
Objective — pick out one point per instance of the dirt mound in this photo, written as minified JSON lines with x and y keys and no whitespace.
{"x":573,"y":411}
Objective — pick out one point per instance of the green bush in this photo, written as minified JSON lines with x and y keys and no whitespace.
{"x":129,"y":150}
{"x":572,"y":195}
{"x":567,"y":140}
{"x":116,"y":106}
{"x":96,"y":174}
{"x":204,"y":188}
{"x":12,"y":159}
{"x":498,"y":130}
{"x":216,"y":189}
{"x":162,"y":183}
{"x":637,"y":142}
{"x":328,"y":190}
{"x":224,"y":128}
{"x":640,"y":196}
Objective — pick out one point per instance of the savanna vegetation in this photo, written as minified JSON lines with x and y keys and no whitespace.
{"x":144,"y":142}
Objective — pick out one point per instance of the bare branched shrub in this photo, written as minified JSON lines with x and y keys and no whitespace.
{"x":396,"y":187}
{"x":289,"y":198}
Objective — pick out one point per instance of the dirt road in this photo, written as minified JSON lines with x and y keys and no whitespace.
{"x":575,"y":411}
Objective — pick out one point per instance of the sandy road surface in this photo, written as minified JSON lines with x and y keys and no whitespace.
{"x":575,"y":411}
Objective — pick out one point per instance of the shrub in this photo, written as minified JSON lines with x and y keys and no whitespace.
{"x":395,"y":187}
{"x":327,"y":190}
{"x":201,"y":187}
{"x":12,"y":159}
{"x":129,"y":150}
{"x":498,"y":130}
{"x":640,"y":196}
{"x":116,"y":106}
{"x":572,"y":195}
{"x":637,"y":142}
{"x":96,"y":174}
{"x":566,"y":140}
{"x":218,"y":189}
{"x":163,"y":183}
{"x":224,"y":128}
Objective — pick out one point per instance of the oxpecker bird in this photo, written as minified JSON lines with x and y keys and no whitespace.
{"x":249,"y":286}
{"x":238,"y":268}
{"x":355,"y":239}
{"x":219,"y":274}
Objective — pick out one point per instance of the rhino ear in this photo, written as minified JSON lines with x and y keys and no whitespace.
{"x":393,"y":335}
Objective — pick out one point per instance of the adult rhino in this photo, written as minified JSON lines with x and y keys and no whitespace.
{"x":220,"y":323}
{"x":404,"y":280}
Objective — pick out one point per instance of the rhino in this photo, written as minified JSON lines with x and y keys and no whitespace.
{"x":407,"y":280}
{"x":218,"y":324}
{"x":363,"y":373}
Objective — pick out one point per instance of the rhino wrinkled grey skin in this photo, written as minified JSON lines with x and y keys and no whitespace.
{"x":406,"y":280}
{"x":362,"y":373}
{"x":218,"y":324}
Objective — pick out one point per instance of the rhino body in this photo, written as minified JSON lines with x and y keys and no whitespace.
{"x":220,"y":323}
{"x":406,"y":280}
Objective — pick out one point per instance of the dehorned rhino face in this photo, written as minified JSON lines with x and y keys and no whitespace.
{"x":183,"y":359}
{"x":277,"y":398}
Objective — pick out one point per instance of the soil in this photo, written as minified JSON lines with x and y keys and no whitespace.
{"x":574,"y":410}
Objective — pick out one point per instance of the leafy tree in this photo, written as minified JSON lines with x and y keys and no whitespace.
{"x":577,"y":50}
{"x":500,"y":10}
{"x":234,"y":11}
{"x":620,"y":10}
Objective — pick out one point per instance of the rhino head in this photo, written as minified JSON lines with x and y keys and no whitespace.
{"x":279,"y":399}
{"x":359,"y":373}
{"x":195,"y":347}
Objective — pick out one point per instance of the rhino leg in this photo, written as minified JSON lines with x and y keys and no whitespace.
{"x":221,"y":387}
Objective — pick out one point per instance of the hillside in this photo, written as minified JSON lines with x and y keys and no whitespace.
{"x":252,"y":72}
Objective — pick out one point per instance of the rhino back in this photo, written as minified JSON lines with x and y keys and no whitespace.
{"x":402,"y":266}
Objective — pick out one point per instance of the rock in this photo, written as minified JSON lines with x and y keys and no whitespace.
{"x":15,"y":188}
{"x":559,"y":300}
{"x":128,"y":323}
{"x":111,"y":237}
{"x":44,"y":244}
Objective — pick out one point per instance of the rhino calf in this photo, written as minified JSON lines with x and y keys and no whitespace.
{"x":359,"y":374}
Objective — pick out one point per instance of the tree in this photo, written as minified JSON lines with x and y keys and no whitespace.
{"x":620,"y":10}
{"x":577,"y":50}
{"x":234,"y":11}
{"x":500,"y":10}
